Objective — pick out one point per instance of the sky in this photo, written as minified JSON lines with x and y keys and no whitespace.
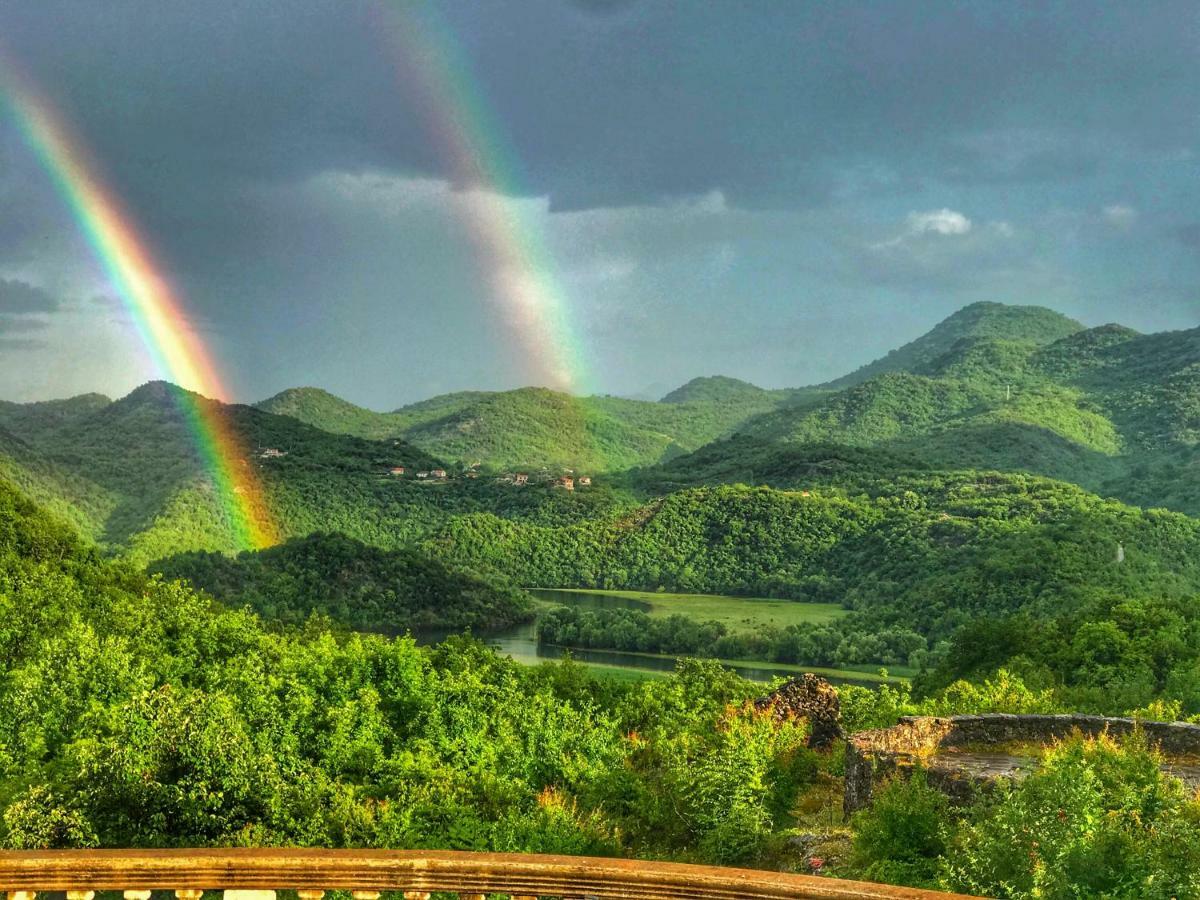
{"x":395,"y":200}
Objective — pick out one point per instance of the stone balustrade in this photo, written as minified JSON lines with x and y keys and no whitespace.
{"x":255,"y":874}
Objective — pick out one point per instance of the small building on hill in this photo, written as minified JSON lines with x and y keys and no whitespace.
{"x":422,"y":475}
{"x":566,"y":482}
{"x":272,"y":453}
{"x":584,"y":481}
{"x":520,"y":478}
{"x":396,"y":470}
{"x":438,"y":473}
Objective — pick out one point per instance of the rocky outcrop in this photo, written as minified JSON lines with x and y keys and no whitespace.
{"x":808,"y":697}
{"x":953,"y":750}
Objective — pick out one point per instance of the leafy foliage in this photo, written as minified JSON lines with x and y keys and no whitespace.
{"x":355,"y":585}
{"x":134,"y":712}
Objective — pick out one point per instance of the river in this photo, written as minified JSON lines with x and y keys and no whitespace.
{"x":521,"y":644}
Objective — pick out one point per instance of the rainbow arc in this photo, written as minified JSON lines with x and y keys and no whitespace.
{"x":153,"y":305}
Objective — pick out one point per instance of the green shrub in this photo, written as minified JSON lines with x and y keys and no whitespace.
{"x":902,"y":835}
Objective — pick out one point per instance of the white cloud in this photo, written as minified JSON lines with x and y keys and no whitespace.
{"x":938,"y":221}
{"x":1120,"y":216}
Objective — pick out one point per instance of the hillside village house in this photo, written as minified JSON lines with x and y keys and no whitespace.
{"x":272,"y":453}
{"x":585,"y":481}
{"x":438,"y":473}
{"x":520,"y":478}
{"x":397,"y":470}
{"x":566,"y":482}
{"x":422,"y":474}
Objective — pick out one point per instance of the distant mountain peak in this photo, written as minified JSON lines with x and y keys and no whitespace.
{"x":154,"y":392}
{"x":713,"y":388}
{"x":985,"y":319}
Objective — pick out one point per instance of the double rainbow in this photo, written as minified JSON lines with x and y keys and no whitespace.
{"x":153,"y":306}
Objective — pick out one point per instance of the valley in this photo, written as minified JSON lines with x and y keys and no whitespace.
{"x":525,"y":619}
{"x":892,"y":497}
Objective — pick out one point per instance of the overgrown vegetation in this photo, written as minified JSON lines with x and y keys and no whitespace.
{"x":357,"y":586}
{"x":1099,"y":818}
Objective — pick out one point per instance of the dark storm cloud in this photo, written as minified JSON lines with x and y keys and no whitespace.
{"x":17,"y":297}
{"x":766,"y":102}
{"x":22,"y":312}
{"x":1189,"y":235}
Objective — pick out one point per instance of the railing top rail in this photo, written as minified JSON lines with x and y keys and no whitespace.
{"x":417,"y":870}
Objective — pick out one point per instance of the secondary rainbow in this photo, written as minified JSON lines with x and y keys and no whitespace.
{"x":509,"y":245}
{"x":153,"y":305}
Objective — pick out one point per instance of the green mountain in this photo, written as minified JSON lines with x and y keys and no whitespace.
{"x":718,"y":389}
{"x":357,"y":586}
{"x":323,"y":410}
{"x":533,"y":428}
{"x":979,"y":320}
{"x":1108,"y":408}
{"x":71,"y":496}
{"x":131,"y":475}
{"x":40,"y":420}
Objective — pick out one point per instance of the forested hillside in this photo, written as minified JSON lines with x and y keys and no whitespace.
{"x":535,"y":427}
{"x":993,"y":387}
{"x":134,"y":712}
{"x":131,"y":475}
{"x":1106,"y":408}
{"x":357,"y":586}
{"x":914,"y":557}
{"x":996,"y":321}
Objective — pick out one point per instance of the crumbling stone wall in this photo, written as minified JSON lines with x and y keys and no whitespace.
{"x":808,"y":697}
{"x":872,"y":756}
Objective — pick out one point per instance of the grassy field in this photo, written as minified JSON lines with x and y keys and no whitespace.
{"x":733,"y":612}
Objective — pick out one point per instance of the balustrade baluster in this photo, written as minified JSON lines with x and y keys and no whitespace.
{"x":416,"y":895}
{"x":136,"y":895}
{"x":80,"y":895}
{"x":22,"y":895}
{"x":310,"y":895}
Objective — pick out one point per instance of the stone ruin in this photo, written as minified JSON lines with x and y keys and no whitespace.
{"x":807,"y":697}
{"x":963,"y":754}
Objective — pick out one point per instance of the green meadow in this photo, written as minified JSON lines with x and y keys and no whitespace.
{"x":733,"y":612}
